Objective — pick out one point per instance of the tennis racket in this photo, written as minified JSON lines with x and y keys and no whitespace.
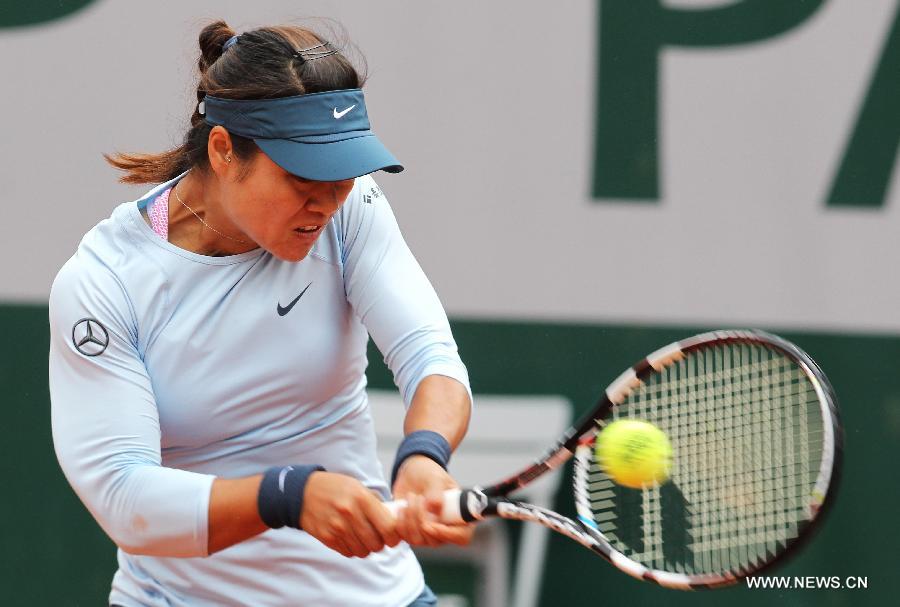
{"x":756,"y":442}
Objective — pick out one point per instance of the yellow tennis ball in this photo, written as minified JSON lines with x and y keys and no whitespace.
{"x":634,"y":453}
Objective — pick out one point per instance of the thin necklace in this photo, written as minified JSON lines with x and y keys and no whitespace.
{"x":184,"y":204}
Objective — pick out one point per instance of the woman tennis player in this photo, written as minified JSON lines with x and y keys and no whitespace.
{"x":208,"y":350}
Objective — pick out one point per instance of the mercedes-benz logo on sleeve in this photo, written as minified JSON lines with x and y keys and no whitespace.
{"x":90,"y":337}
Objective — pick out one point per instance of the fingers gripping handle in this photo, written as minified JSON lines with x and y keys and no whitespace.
{"x":460,"y":506}
{"x":451,"y":509}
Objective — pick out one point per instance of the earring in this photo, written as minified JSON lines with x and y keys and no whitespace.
{"x":228,"y":158}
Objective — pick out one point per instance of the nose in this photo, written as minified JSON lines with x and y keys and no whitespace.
{"x":329,"y":197}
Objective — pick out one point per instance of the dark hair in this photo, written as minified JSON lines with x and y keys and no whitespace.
{"x":262,"y":65}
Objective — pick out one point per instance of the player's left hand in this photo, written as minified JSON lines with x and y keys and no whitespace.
{"x":422,"y":482}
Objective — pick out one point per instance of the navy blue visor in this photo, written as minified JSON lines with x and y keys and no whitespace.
{"x":320,"y":136}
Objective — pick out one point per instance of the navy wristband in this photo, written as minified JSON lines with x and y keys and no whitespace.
{"x":422,"y":442}
{"x":280,"y":498}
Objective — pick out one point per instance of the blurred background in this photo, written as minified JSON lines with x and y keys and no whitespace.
{"x":585,"y":181}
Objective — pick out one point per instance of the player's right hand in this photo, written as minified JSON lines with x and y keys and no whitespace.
{"x":346,"y":516}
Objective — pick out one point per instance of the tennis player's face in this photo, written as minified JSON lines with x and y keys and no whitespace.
{"x":282,"y":213}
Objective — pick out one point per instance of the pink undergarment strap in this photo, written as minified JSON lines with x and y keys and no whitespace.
{"x":159,"y":214}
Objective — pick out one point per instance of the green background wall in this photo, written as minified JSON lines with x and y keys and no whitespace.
{"x":52,"y":553}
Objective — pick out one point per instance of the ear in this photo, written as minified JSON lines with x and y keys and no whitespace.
{"x":220,"y":152}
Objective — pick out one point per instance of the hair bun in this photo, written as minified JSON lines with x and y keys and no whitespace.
{"x":212,"y":40}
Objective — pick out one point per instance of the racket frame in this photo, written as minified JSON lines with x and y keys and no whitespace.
{"x":492,"y":500}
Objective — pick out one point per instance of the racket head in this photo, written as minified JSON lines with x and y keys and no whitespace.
{"x":756,"y":438}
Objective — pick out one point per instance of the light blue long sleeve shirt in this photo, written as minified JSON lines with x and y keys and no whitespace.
{"x":169,"y":368}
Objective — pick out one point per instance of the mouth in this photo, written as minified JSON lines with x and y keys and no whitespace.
{"x":308,"y":230}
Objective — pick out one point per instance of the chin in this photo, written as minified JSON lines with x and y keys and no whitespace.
{"x":290,"y":256}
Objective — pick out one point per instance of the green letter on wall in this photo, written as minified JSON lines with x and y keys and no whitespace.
{"x":868,"y":161}
{"x":35,"y":12}
{"x":631,"y":34}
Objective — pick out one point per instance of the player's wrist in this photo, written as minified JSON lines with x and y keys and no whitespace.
{"x":425,"y":443}
{"x":281,"y":492}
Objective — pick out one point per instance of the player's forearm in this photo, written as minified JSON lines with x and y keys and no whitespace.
{"x":233,"y":512}
{"x":441,"y":404}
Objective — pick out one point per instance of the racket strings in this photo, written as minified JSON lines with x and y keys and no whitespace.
{"x":747,"y":438}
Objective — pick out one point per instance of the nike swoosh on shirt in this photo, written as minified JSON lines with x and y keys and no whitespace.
{"x":282,"y":311}
{"x":338,"y":115}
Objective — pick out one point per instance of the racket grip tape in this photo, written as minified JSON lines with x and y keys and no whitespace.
{"x":460,"y":506}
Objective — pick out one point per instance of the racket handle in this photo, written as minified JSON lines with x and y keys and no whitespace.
{"x":460,"y":506}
